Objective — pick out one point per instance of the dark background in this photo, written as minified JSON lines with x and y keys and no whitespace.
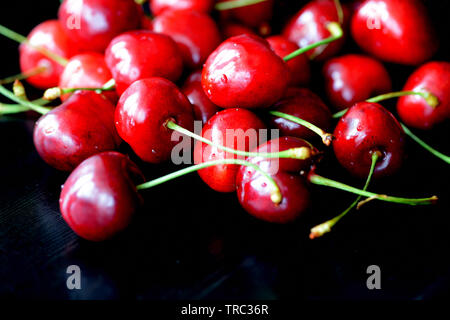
{"x":189,"y":242}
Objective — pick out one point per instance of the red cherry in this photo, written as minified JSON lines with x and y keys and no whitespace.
{"x":92,"y":24}
{"x":243,"y":71}
{"x":231,"y":29}
{"x":204,"y":109}
{"x":222,"y":178}
{"x":99,"y":198}
{"x":195,"y":33}
{"x":364,"y":129}
{"x":87,"y":70}
{"x":433,"y":77}
{"x":81,"y":127}
{"x":306,"y":105}
{"x":299,"y":66}
{"x":142,"y":54}
{"x":309,"y":26}
{"x":254,"y":192}
{"x":160,"y":6}
{"x":395,"y":30}
{"x":353,"y":78}
{"x":48,"y":35}
{"x":142,"y":113}
{"x":252,"y":15}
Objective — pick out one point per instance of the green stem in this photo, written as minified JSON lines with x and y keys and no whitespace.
{"x":227,"y":5}
{"x":336,"y":33}
{"x":35,"y":107}
{"x":294,"y":153}
{"x":12,"y":109}
{"x":21,"y":39}
{"x":319,"y":180}
{"x":276,"y":196}
{"x":425,"y":145}
{"x":56,"y":92}
{"x":327,"y":138}
{"x":340,"y":12}
{"x":22,"y":76}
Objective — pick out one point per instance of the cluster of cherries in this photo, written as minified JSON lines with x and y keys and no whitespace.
{"x":115,"y":68}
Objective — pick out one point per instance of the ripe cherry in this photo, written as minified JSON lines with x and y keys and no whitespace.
{"x":159,"y":6}
{"x":82,"y":126}
{"x":231,"y":29}
{"x":234,"y":128}
{"x":432,"y":77}
{"x":353,"y":78}
{"x":87,"y":70}
{"x":92,"y":24}
{"x":244,"y":72}
{"x":364,"y":129}
{"x":395,"y":31}
{"x":195,"y":33}
{"x":299,"y":66}
{"x":250,"y":15}
{"x":51,"y":36}
{"x":309,"y":25}
{"x":204,"y":109}
{"x":143,"y":112}
{"x":99,"y":198}
{"x":142,"y":54}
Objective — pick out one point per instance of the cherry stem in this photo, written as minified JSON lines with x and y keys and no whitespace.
{"x":301,"y":153}
{"x":12,"y":108}
{"x":140,"y":2}
{"x":319,"y":180}
{"x":56,"y":92}
{"x":424,"y":145}
{"x":275,"y":196}
{"x":339,"y":10}
{"x":327,"y":138}
{"x":35,"y":107}
{"x":336,"y":33}
{"x":227,"y":5}
{"x":325,"y":227}
{"x":21,"y":39}
{"x":431,"y":99}
{"x":23,"y":76}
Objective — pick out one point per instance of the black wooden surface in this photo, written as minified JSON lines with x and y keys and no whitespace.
{"x":189,"y":242}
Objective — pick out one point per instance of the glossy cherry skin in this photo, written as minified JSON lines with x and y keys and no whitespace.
{"x":244,"y":72}
{"x":204,"y":109}
{"x":309,"y":26}
{"x":142,"y":113}
{"x":222,"y":178}
{"x":299,"y":66}
{"x":353,"y":78}
{"x":396,"y":31}
{"x":196,"y":34}
{"x":92,"y":24}
{"x":137,"y":55}
{"x":51,"y":36}
{"x":81,"y":127}
{"x":364,"y":129}
{"x":159,"y":6}
{"x":253,"y":189}
{"x":100,"y":198}
{"x":414,"y":111}
{"x":306,"y":105}
{"x":252,"y":15}
{"x":87,"y":70}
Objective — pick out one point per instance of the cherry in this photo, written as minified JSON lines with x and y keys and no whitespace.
{"x":87,"y":70}
{"x":82,"y":126}
{"x":50,"y":36}
{"x":92,"y":24}
{"x":395,"y":31}
{"x":99,"y":198}
{"x":253,"y":15}
{"x":353,"y":78}
{"x":142,"y":54}
{"x":243,"y":71}
{"x":239,"y":122}
{"x":195,"y":33}
{"x":160,"y":6}
{"x":142,"y":115}
{"x":299,"y":66}
{"x":231,"y":29}
{"x":364,"y":129}
{"x":306,"y":105}
{"x":415,"y":111}
{"x":204,"y":109}
{"x":309,"y":25}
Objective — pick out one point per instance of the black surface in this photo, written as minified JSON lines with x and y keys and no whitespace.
{"x":189,"y":242}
